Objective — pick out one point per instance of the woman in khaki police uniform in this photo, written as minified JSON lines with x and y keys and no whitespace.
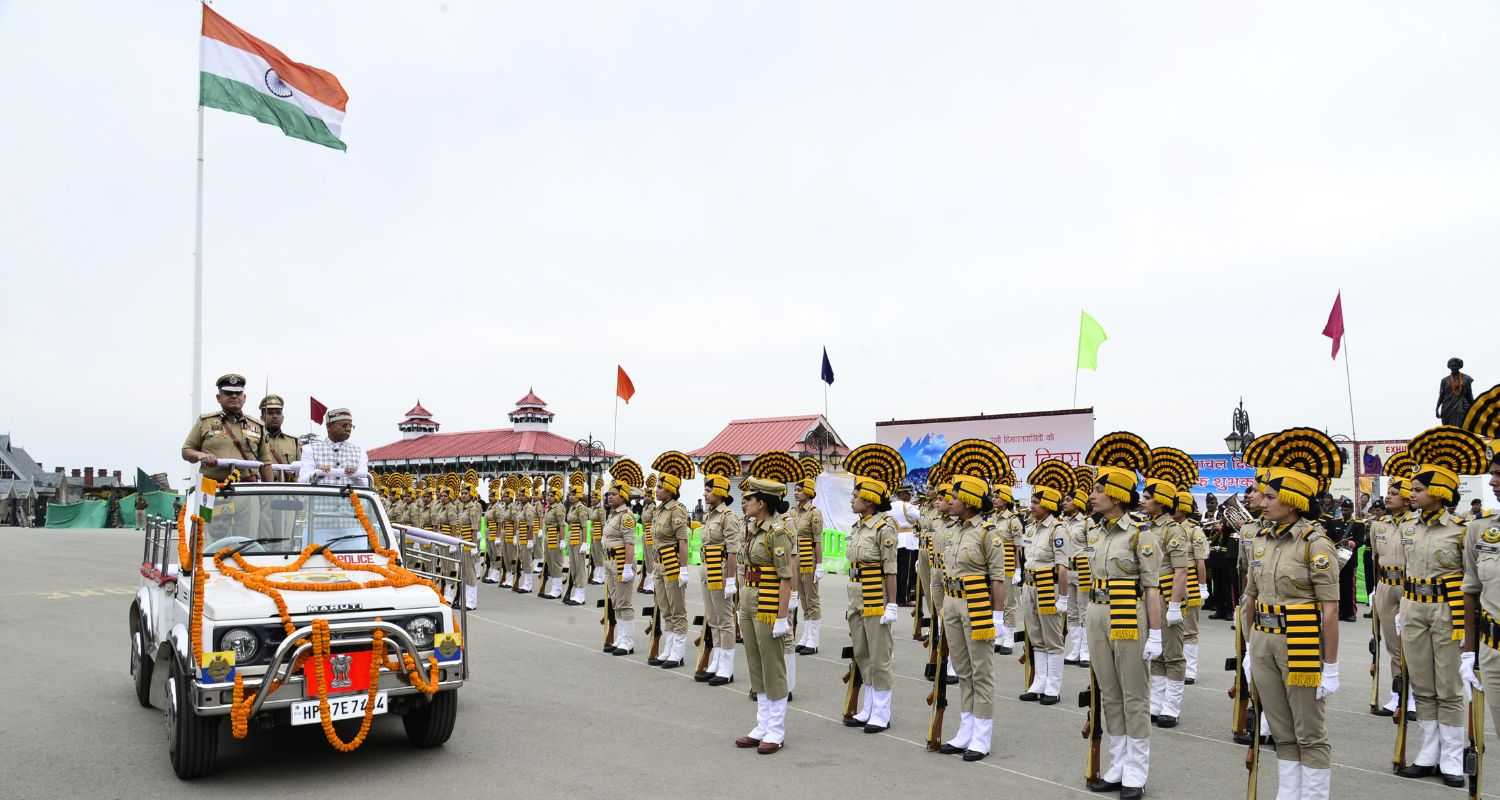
{"x":597,"y":516}
{"x":1008,"y":523}
{"x":1291,"y":609}
{"x":554,"y":524}
{"x":1482,"y":568}
{"x":871,"y":551}
{"x":807,"y":525}
{"x":1043,"y":595}
{"x":1124,"y":617}
{"x":1389,"y":535}
{"x":1197,"y":581}
{"x":1078,"y":523}
{"x":721,"y":543}
{"x":1431,"y":621}
{"x":670,"y":533}
{"x":975,"y":588}
{"x":767,"y":557}
{"x":1170,"y":469}
{"x":578,"y":517}
{"x":619,"y":545}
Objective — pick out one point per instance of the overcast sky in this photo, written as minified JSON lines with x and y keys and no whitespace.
{"x":709,"y":193}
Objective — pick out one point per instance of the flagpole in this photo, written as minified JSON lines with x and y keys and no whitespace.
{"x":198,"y":271}
{"x":1075,"y":384}
{"x":1354,"y":456}
{"x":615,"y":443}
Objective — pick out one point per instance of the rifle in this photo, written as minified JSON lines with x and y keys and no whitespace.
{"x":1252,"y":757}
{"x":938,"y":697}
{"x":705,"y":644}
{"x":1474,"y":753}
{"x":1027,"y":657}
{"x":1375,"y":658}
{"x":654,"y":628}
{"x":608,"y":621}
{"x":1403,"y":696}
{"x":918,"y":622}
{"x":1093,"y":726}
{"x":937,"y":663}
{"x":1241,"y":724}
{"x":541,"y":584}
{"x":853,"y":681}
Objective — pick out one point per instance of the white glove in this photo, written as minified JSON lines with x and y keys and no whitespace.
{"x":818,"y":571}
{"x":890,"y":614}
{"x":1062,"y":604}
{"x":1202,"y":592}
{"x":1245,"y":666}
{"x":1466,"y":670}
{"x":781,"y":628}
{"x":682,"y":578}
{"x":1400,"y":623}
{"x":1330,"y":682}
{"x":1016,"y":581}
{"x":791,"y":604}
{"x":1153,"y":645}
{"x":730,"y":589}
{"x":1174,"y":613}
{"x":627,"y":574}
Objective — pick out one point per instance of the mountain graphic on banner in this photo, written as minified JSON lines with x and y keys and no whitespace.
{"x":924,"y":452}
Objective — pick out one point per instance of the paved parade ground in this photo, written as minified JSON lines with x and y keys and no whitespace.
{"x":546,"y":715}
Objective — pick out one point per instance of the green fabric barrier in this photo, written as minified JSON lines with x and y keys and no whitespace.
{"x":835,"y":559}
{"x":695,"y":543}
{"x":484,"y":536}
{"x":1360,"y":595}
{"x":158,"y":503}
{"x":86,"y":514}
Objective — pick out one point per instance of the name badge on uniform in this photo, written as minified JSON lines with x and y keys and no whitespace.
{"x":1487,"y":548}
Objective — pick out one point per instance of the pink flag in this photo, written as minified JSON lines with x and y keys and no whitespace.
{"x":1335,"y":327}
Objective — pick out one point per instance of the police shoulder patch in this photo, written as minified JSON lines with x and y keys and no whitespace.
{"x":996,"y":542}
{"x":890,"y":541}
{"x":780,"y":551}
{"x":1491,"y":535}
{"x":1320,"y":561}
{"x":1058,"y":542}
{"x":1147,"y":550}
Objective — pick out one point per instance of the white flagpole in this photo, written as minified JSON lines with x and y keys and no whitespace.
{"x":198,"y":269}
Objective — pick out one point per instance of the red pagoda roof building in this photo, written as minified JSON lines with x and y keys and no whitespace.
{"x":527,"y":445}
{"x":803,"y":435}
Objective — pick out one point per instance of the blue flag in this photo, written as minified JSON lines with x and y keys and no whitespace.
{"x":827,"y":368}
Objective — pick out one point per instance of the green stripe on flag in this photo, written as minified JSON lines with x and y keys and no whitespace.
{"x":1090,"y":336}
{"x":227,"y":95}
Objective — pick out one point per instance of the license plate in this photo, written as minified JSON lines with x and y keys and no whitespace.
{"x":306,"y":711}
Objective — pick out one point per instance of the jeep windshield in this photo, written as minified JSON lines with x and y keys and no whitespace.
{"x":283,"y":524}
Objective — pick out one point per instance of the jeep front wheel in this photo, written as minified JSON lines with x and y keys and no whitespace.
{"x":431,"y":724}
{"x":193,"y":741}
{"x":140,"y":664}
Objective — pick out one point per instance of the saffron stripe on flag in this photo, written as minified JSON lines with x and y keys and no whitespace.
{"x":319,"y":84}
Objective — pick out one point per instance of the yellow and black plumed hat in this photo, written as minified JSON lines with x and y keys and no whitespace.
{"x":770,"y":472}
{"x":877,"y":468}
{"x":1255,"y":456}
{"x":718,"y":468}
{"x":1051,"y":480}
{"x":555,"y":487}
{"x":811,"y":469}
{"x":577,"y":483}
{"x":1484,"y":419}
{"x":976,"y":467}
{"x":938,"y":480}
{"x":672,"y":468}
{"x":1300,"y":463}
{"x":1171,"y":471}
{"x":1083,"y":484}
{"x":1399,"y":468}
{"x":1185,"y":502}
{"x":1120,"y":458}
{"x":1444,"y":454}
{"x":625,"y":475}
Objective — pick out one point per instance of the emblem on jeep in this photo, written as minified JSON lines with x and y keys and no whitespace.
{"x":218,"y":669}
{"x":340,"y":664}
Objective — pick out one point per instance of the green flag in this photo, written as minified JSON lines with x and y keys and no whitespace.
{"x":1090,"y":336}
{"x":144,"y":483}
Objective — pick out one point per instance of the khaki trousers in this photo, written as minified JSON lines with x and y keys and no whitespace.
{"x":1387,"y":603}
{"x":1078,"y":606}
{"x":1045,"y":631}
{"x":1171,"y":663}
{"x":766,"y":655}
{"x":1294,"y":713}
{"x":1013,"y":604}
{"x":718,"y":613}
{"x":554,"y":561}
{"x":873,"y":645}
{"x":1489,"y":667}
{"x":973,"y":660}
{"x":578,"y":573}
{"x":1432,"y":662}
{"x":621,"y":595}
{"x":1124,"y":692}
{"x":671,"y":598}
{"x":807,"y":596}
{"x":1190,"y":626}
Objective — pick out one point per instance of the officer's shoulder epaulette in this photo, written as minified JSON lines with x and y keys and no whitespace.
{"x":210,"y":415}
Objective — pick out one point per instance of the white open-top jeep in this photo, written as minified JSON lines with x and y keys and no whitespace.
{"x":308,"y":590}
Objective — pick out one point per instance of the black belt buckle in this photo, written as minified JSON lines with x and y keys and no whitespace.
{"x":1099,"y":596}
{"x":1270,"y":620}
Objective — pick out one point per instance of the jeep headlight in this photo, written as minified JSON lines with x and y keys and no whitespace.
{"x":421,"y":630}
{"x":243,"y":642}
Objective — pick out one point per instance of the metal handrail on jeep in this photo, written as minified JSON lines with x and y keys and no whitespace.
{"x":292,"y":649}
{"x":160,"y":548}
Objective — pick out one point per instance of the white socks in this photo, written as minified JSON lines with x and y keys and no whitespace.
{"x":880,"y":712}
{"x":1453,"y":739}
{"x":775,"y":721}
{"x":791,"y":671}
{"x":1116,"y":768}
{"x":726,"y":664}
{"x":1172,"y":699}
{"x":1158,"y":694}
{"x":624,"y":634}
{"x":866,"y":704}
{"x":1137,"y":762}
{"x":1190,"y":652}
{"x":1428,"y":756}
{"x":965,"y":731}
{"x":1288,"y":780}
{"x":762,"y":715}
{"x":1315,"y":783}
{"x":981,"y":741}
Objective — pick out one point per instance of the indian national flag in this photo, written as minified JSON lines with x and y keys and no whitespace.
{"x":247,"y":76}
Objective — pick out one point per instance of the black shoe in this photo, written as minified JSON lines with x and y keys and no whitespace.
{"x":1411,"y":716}
{"x":1132,"y":792}
{"x":1030,"y":697}
{"x":1072,"y":662}
{"x":1049,"y":700}
{"x":1083,"y":663}
{"x":1165,"y":721}
{"x":670,"y":664}
{"x":619,"y":652}
{"x":948,"y":749}
{"x":1415,"y":771}
{"x":1189,"y":681}
{"x":973,"y":755}
{"x":928,"y":671}
{"x":1242,"y":739}
{"x":1368,"y":615}
{"x":1003,"y":649}
{"x":754,"y":695}
{"x":870,"y":728}
{"x":647,"y":591}
{"x":1456,"y":781}
{"x":490,"y":582}
{"x":702,"y":677}
{"x":718,"y":681}
{"x":790,"y":697}
{"x":950,"y":679}
{"x":1269,"y":740}
{"x":809,"y":651}
{"x":800,"y":650}
{"x":653,"y":662}
{"x":1350,"y":618}
{"x":851,"y":722}
{"x":609,"y":648}
{"x":1155,"y":718}
{"x":1382,"y":711}
{"x":1103,"y":786}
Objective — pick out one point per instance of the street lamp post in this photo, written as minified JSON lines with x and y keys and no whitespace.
{"x":1240,"y":434}
{"x":587,"y":450}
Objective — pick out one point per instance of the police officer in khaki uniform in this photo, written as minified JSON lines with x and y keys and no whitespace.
{"x":975,"y":587}
{"x":670,"y":531}
{"x":1291,"y":606}
{"x":648,"y":543}
{"x":596,"y":539}
{"x":871,"y":550}
{"x":1390,"y":535}
{"x":227,"y":433}
{"x":770,"y":569}
{"x":1124,"y":617}
{"x":578,"y":517}
{"x":619,"y":544}
{"x":1012,"y":533}
{"x":554,"y":524}
{"x":494,"y":528}
{"x":1430,"y":622}
{"x":721,"y":542}
{"x":1482,"y":568}
{"x":283,"y":447}
{"x":1078,"y":523}
{"x":1197,"y":582}
{"x":807,"y":525}
{"x":1044,"y":599}
{"x":1170,"y":469}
